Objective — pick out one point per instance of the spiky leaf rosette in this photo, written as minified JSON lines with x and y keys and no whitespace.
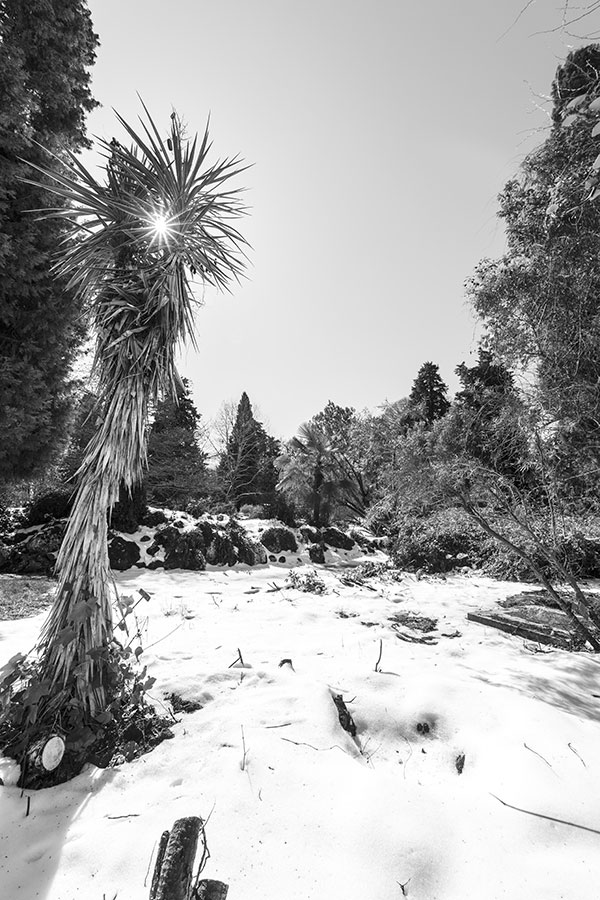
{"x":161,"y":217}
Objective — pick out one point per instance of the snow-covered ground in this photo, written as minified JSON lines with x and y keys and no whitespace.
{"x":296,"y":807}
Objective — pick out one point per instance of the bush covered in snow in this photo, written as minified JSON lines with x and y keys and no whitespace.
{"x":449,"y":539}
{"x":439,"y":543}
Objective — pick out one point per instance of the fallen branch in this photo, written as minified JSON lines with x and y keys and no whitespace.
{"x":411,"y":638}
{"x":530,"y":812}
{"x":319,"y":749}
{"x":538,"y":754}
{"x":377,"y":669}
{"x":571,"y":747}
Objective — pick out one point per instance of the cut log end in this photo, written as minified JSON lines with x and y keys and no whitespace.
{"x":45,"y":755}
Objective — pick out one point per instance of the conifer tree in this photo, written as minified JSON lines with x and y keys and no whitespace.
{"x":46,"y":49}
{"x":428,"y":393}
{"x":246,"y":467}
{"x":176,"y":465}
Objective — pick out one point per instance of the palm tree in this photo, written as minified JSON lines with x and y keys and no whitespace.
{"x":161,"y":216}
{"x":308,"y":472}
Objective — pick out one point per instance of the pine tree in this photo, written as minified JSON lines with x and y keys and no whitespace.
{"x":428,"y":393}
{"x":176,"y":465}
{"x":491,"y":418}
{"x":46,"y":47}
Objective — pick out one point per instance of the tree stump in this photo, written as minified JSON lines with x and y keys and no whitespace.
{"x":172,"y":879}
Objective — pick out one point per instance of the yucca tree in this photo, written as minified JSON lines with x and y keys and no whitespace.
{"x":159,"y":216}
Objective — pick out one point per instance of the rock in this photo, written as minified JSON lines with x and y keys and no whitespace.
{"x":122,"y":554}
{"x":249,"y":552}
{"x":182,"y":550}
{"x":336,"y":538}
{"x":310,"y":535}
{"x":279,"y":538}
{"x":48,"y":540}
{"x":272,"y":558}
{"x":156,"y":517}
{"x":222,"y":551}
{"x":316,"y":553}
{"x":145,"y":538}
{"x":34,"y":553}
{"x":156,"y":564}
{"x":281,"y":559}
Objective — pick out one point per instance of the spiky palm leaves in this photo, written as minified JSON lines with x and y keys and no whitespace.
{"x":308,"y":472}
{"x":161,"y":216}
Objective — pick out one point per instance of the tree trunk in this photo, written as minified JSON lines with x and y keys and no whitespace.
{"x":172,"y":879}
{"x":80,"y":620}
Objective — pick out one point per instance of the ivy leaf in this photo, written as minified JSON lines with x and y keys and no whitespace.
{"x":83,"y":611}
{"x":65,"y":636}
{"x":149,"y":682}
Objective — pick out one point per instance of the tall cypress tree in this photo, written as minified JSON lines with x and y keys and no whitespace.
{"x":246,"y":467}
{"x":46,"y":48}
{"x":429,"y":393}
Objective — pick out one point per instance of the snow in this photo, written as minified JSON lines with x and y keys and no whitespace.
{"x":296,"y":807}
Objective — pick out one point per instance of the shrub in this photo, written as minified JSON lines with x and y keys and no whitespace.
{"x":129,"y":511}
{"x":577,"y":548}
{"x":441,"y":542}
{"x":279,"y":538}
{"x":52,"y":504}
{"x":282,"y":509}
{"x":253,"y":511}
{"x":197,"y":508}
{"x":309,"y":582}
{"x":449,"y":539}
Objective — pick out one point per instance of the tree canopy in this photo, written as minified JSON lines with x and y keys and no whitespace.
{"x":46,"y":50}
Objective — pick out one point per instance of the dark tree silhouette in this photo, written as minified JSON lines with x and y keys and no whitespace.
{"x":46,"y":49}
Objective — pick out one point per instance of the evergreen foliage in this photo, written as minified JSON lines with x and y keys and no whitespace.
{"x":540,"y":302}
{"x":176,"y":466}
{"x":46,"y":49}
{"x":247,"y":465}
{"x":428,"y":393}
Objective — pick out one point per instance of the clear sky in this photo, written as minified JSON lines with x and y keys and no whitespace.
{"x":380,"y":134}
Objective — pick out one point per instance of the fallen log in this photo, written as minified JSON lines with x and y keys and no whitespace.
{"x":523,"y":629}
{"x":172,"y":878}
